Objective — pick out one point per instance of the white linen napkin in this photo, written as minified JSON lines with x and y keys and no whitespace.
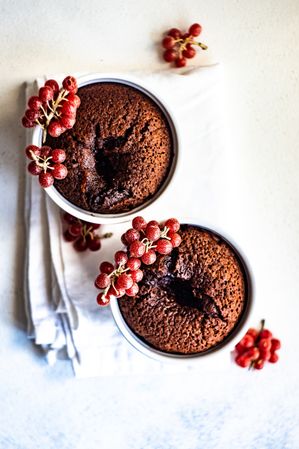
{"x":63,"y":316}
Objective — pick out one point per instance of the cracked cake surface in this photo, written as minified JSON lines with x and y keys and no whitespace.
{"x":118,"y":153}
{"x":191,"y":300}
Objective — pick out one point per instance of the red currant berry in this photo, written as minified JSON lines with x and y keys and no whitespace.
{"x":164,"y":246}
{"x":195,"y":29}
{"x":70,"y":83}
{"x":53,"y":85}
{"x":68,"y":109}
{"x":137,"y":249}
{"x":132,"y":235}
{"x":75,"y":229}
{"x":31,"y":114}
{"x":68,"y":218}
{"x":45,"y":94}
{"x":68,"y":237}
{"x":103,"y":300}
{"x":27,"y":123}
{"x":67,"y":122}
{"x":46,"y":180}
{"x":273,"y":358}
{"x":240,"y":349}
{"x":175,"y":33}
{"x":136,"y":275}
{"x":74,"y":100}
{"x":172,"y":224}
{"x":247,"y":341}
{"x":149,"y":257}
{"x":80,"y":244}
{"x":34,"y":169}
{"x":180,"y":62}
{"x":175,"y":239}
{"x":93,"y":225}
{"x":132,"y":291}
{"x":153,"y":223}
{"x":106,"y":267}
{"x":189,"y":52}
{"x":259,"y":364}
{"x":45,"y":151}
{"x":168,"y":42}
{"x":252,"y":353}
{"x":31,"y":151}
{"x":59,"y":171}
{"x":120,"y":257}
{"x":152,"y":232}
{"x":124,"y":240}
{"x":139,"y":223}
{"x":34,"y":103}
{"x":242,"y":361}
{"x":94,"y":242}
{"x":265,"y":355}
{"x":265,"y":333}
{"x":55,"y":129}
{"x":275,"y":344}
{"x":252,"y":332}
{"x":102,"y":280}
{"x":58,"y":156}
{"x":265,"y":344}
{"x":133,"y":263}
{"x":124,"y":281}
{"x":169,"y":55}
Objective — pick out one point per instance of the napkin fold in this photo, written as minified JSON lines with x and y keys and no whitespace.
{"x":62,"y":313}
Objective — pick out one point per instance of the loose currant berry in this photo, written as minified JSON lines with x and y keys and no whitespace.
{"x":103,"y":300}
{"x":132,"y":235}
{"x":172,"y":224}
{"x":168,"y":42}
{"x":275,"y":344}
{"x":59,"y":171}
{"x":136,"y":275}
{"x":31,"y":114}
{"x":273,"y":358}
{"x":53,"y":85}
{"x":75,"y":229}
{"x":137,"y":249}
{"x":132,"y":291}
{"x":169,"y":55}
{"x":106,"y":267}
{"x":195,"y":29}
{"x":94,"y":244}
{"x":149,"y":257}
{"x":265,"y":344}
{"x":133,"y":263}
{"x":34,"y":103}
{"x":152,"y":232}
{"x":265,"y":333}
{"x":242,"y":361}
{"x":164,"y":246}
{"x":175,"y":239}
{"x":58,"y":156}
{"x":175,"y":33}
{"x":124,"y":281}
{"x":120,"y":257}
{"x":27,"y":123}
{"x":180,"y":62}
{"x":74,"y":99}
{"x":45,"y":151}
{"x":247,"y":341}
{"x":259,"y":364}
{"x":45,"y":94}
{"x":34,"y":169}
{"x":46,"y":180}
{"x":70,"y":83}
{"x":68,"y":237}
{"x":55,"y":129}
{"x":80,"y":244}
{"x":139,"y":223}
{"x":67,"y":122}
{"x":31,"y":151}
{"x":102,"y":280}
{"x":189,"y":52}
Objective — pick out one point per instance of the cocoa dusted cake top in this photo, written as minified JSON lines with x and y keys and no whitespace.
{"x":118,"y":153}
{"x":192,"y":299}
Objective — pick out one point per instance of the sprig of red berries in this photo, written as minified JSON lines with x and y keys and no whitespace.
{"x":83,"y":234}
{"x":46,"y":163}
{"x":53,"y":109}
{"x":256,"y":348}
{"x":179,"y":46}
{"x":143,"y":242}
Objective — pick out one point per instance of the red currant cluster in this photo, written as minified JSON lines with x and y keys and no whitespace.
{"x":46,"y":164}
{"x":179,"y":46}
{"x":54,"y":109}
{"x":142,"y":243}
{"x":256,"y":348}
{"x":83,"y":234}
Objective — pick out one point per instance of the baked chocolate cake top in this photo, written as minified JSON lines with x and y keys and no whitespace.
{"x":192,"y":299}
{"x":119,"y":151}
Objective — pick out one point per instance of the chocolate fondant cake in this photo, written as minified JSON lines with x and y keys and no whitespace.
{"x":191,"y":300}
{"x":119,"y":151}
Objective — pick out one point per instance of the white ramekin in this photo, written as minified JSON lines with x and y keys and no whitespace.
{"x":191,"y":359}
{"x":92,"y":217}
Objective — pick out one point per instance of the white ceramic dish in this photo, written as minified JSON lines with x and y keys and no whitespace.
{"x":232,"y":339}
{"x":83,"y":214}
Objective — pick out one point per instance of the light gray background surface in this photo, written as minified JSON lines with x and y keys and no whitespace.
{"x":257,"y":43}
